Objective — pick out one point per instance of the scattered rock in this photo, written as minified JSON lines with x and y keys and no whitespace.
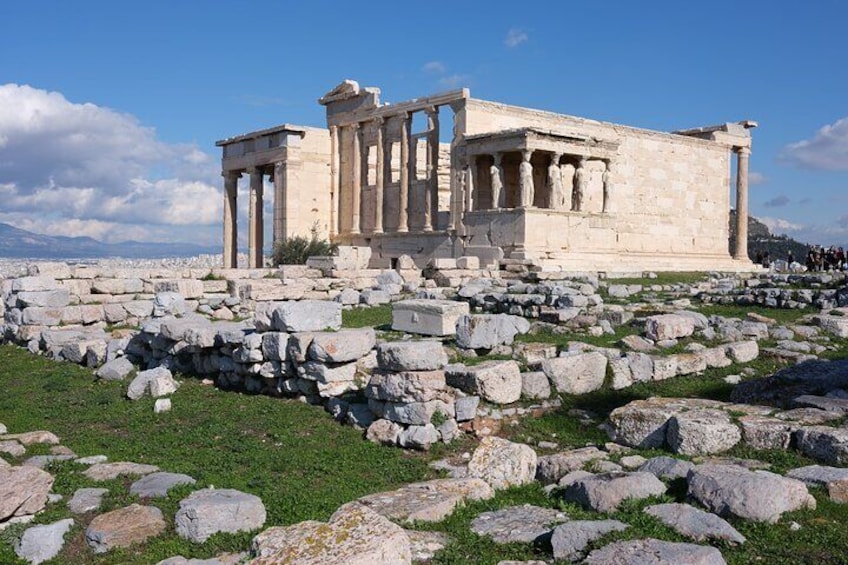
{"x":23,"y":491}
{"x":604,"y":492}
{"x":551,"y":468}
{"x":124,"y":527}
{"x":694,"y":523}
{"x":109,"y":471}
{"x":87,"y":500}
{"x":655,"y":552}
{"x":430,"y":501}
{"x":209,"y":511}
{"x":411,"y":356}
{"x":158,"y":381}
{"x":498,"y":382}
{"x":571,"y":539}
{"x":157,"y":485}
{"x":42,"y":543}
{"x":502,"y":463}
{"x":577,"y":374}
{"x":524,"y":524}
{"x":425,"y":545}
{"x":702,"y":432}
{"x":667,"y":467}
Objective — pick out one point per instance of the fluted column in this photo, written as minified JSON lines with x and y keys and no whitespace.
{"x":381,"y":166}
{"x":334,"y":180}
{"x":403,"y":207}
{"x":431,"y":193}
{"x":356,"y":184}
{"x":231,"y":219}
{"x":256,"y":226}
{"x":741,"y":250}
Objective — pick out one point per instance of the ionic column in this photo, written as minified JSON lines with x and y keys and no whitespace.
{"x":356,"y":184}
{"x":279,"y":201}
{"x":230,"y":219}
{"x":255,"y":259}
{"x":403,"y":208}
{"x":334,"y":179}
{"x":525,"y":180}
{"x":431,"y":193}
{"x":381,"y":165}
{"x":741,"y":250}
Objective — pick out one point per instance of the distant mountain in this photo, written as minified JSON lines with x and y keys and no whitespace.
{"x":760,"y":239}
{"x":21,"y":244}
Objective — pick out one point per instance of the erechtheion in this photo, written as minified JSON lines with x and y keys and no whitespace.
{"x":568,"y":193}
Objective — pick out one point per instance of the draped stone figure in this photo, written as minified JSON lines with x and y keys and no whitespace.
{"x":580,"y":180}
{"x":525,"y":180}
{"x":607,"y":182}
{"x":557,"y":194}
{"x":497,"y":184}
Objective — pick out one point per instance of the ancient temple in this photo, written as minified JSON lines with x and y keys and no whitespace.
{"x":449,"y":175}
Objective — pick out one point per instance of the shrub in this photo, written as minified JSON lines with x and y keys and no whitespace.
{"x":296,"y":250}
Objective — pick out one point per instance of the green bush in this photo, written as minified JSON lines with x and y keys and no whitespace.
{"x":296,"y":250}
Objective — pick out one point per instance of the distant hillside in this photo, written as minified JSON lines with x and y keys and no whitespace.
{"x":21,"y":244}
{"x":760,"y":238}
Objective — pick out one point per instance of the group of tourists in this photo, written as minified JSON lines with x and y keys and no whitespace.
{"x":821,"y":259}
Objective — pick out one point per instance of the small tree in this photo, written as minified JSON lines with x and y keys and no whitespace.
{"x":296,"y":250}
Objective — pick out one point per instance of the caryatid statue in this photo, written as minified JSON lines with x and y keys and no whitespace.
{"x":555,"y":183}
{"x":605,"y":178}
{"x":579,"y":188}
{"x":525,"y":180}
{"x":497,"y":183}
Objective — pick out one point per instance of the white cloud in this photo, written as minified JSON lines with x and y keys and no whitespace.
{"x":453,"y":81}
{"x":756,"y":178}
{"x":81,"y":169}
{"x":827,"y":149}
{"x":435,"y":67}
{"x":515,"y":37}
{"x":779,"y":225}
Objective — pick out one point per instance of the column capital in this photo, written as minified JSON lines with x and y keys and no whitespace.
{"x":431,"y":110}
{"x":231,"y":174}
{"x":379,"y":120}
{"x":526,"y":154}
{"x":742,"y":150}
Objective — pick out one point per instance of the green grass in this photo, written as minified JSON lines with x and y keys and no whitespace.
{"x":378,"y":317}
{"x":300,"y":462}
{"x":669,"y":278}
{"x":781,"y":315}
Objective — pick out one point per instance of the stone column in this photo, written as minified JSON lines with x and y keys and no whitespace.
{"x":279,"y":202}
{"x":525,"y":180}
{"x":607,"y":183}
{"x":334,"y":180}
{"x":580,"y":179}
{"x":741,"y":250}
{"x":381,"y":169}
{"x":356,"y":181}
{"x":431,"y":192}
{"x":255,"y":259}
{"x":496,"y":174}
{"x":556,"y":196}
{"x":231,"y":219}
{"x":403,"y":207}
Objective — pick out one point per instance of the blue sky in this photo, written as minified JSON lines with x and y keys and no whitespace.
{"x":109,"y":110}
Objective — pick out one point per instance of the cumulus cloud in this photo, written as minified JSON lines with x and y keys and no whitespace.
{"x":827,"y":149}
{"x":453,"y":81}
{"x":435,"y":67}
{"x":756,"y":178}
{"x":515,"y":37}
{"x":779,"y":225}
{"x":777,"y":201}
{"x":82,"y":169}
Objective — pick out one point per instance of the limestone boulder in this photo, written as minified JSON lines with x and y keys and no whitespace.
{"x":384,"y":432}
{"x":551,"y":468}
{"x":411,"y":356}
{"x":157,"y":382}
{"x":429,"y":501}
{"x":731,"y":490}
{"x":109,"y":471}
{"x":498,"y":382}
{"x":823,"y":443}
{"x":667,"y":468}
{"x":124,"y":527}
{"x":669,"y":326}
{"x":42,"y":543}
{"x":502,"y":463}
{"x":818,"y":475}
{"x":570,"y":540}
{"x":428,"y":317}
{"x":763,"y":432}
{"x":535,"y":385}
{"x":115,"y":370}
{"x":702,"y":432}
{"x":641,"y":423}
{"x":655,"y":552}
{"x":342,"y":346}
{"x":743,"y":351}
{"x":487,"y":331}
{"x":306,"y":316}
{"x":354,"y":535}
{"x":210,"y":511}
{"x":23,"y":491}
{"x":157,"y":485}
{"x":577,"y":374}
{"x":694,"y":523}
{"x":407,"y":386}
{"x":87,"y":500}
{"x":518,"y":524}
{"x":605,"y":492}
